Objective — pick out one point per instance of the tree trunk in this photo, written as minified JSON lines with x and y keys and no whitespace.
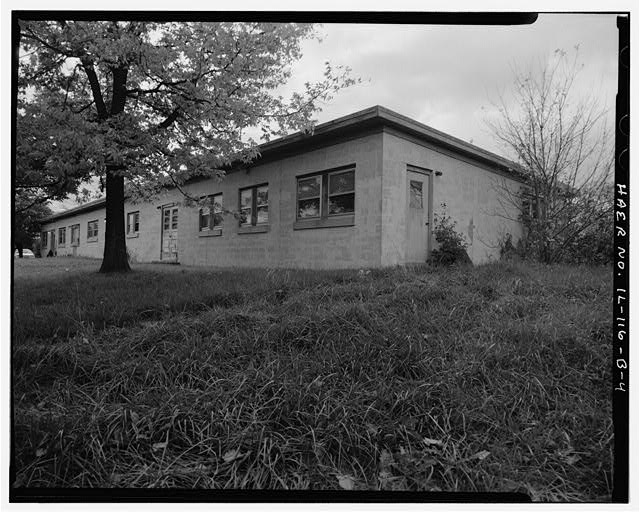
{"x":115,"y":249}
{"x":19,"y":247}
{"x":115,"y":257}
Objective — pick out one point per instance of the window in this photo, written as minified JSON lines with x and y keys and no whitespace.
{"x":44,"y":238}
{"x":415,"y":194}
{"x":254,"y":208}
{"x":75,"y":235}
{"x":210,"y":214}
{"x":133,"y":223}
{"x":326,"y":199}
{"x":530,"y":204}
{"x":92,"y":230}
{"x":62,"y":236}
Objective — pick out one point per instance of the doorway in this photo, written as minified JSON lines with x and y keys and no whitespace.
{"x":169,"y":234}
{"x":419,"y":214}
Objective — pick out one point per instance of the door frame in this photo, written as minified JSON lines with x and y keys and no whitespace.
{"x":162,"y":208}
{"x":429,"y":173}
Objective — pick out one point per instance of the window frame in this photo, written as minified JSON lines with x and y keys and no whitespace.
{"x":411,"y":187}
{"x":44,"y":239}
{"x":93,"y":238}
{"x":71,"y":229}
{"x":326,"y":220}
{"x":135,"y":216}
{"x":62,"y":236}
{"x":254,"y":226}
{"x":215,"y":229}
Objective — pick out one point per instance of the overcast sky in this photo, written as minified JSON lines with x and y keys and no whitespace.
{"x":447,"y":76}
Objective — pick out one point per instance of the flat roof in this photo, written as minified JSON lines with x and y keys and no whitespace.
{"x":86,"y":207}
{"x":379,"y":116}
{"x":370,"y":118}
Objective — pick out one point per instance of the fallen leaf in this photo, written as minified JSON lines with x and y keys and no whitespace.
{"x":432,"y":441}
{"x":573,"y":459}
{"x":345,"y":482}
{"x":159,"y":445}
{"x":234,"y":454}
{"x":373,"y":429}
{"x":480,"y":455}
{"x":41,"y":452}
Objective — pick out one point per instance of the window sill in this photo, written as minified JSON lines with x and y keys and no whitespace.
{"x":132,"y":235}
{"x":327,"y":222}
{"x":216,"y":232}
{"x":95,"y":239}
{"x":259,"y":228}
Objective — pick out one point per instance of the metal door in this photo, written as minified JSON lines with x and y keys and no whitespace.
{"x":418,"y":216}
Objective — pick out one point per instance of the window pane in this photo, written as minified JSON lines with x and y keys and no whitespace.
{"x":204,"y":218}
{"x":415,"y":194}
{"x":309,"y":187}
{"x":263,"y":215}
{"x":263,"y":195}
{"x":174,"y":219}
{"x":341,"y":182}
{"x":166,"y":219}
{"x":342,"y":204}
{"x":217,"y":203}
{"x":216,"y":216}
{"x":245,"y":216}
{"x":136,"y":223}
{"x":309,"y":208}
{"x":245,"y":198}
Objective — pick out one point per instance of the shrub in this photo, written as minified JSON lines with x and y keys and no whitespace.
{"x":452,"y":247}
{"x":509,"y":251}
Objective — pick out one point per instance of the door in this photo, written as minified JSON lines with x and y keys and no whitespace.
{"x":418,"y":215}
{"x":169,"y":249}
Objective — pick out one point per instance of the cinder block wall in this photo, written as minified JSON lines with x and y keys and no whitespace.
{"x":470,"y":190}
{"x":94,"y":249}
{"x":281,"y":246}
{"x":145,"y":246}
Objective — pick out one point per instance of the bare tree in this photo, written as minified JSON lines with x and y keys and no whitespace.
{"x":565,"y":150}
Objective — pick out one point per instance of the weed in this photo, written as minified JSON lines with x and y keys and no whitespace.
{"x":492,"y":378}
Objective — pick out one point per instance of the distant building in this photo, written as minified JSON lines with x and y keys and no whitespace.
{"x":361,"y":191}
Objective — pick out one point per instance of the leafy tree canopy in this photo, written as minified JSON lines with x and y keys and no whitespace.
{"x":187,"y":92}
{"x":154,"y":103}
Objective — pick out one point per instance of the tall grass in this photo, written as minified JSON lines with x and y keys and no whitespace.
{"x":493,"y":378}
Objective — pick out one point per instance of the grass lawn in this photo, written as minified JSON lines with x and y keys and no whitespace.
{"x":494,"y":378}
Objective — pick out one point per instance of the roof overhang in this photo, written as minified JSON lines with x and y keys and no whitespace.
{"x":353,"y":125}
{"x":87,"y":207}
{"x":373,"y":118}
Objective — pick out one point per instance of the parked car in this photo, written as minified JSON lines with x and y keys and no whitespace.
{"x":26,"y":253}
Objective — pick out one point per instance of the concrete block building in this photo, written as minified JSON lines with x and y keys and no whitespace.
{"x":361,"y":191}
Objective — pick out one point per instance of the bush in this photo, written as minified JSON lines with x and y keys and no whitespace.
{"x":509,"y":251}
{"x":452,"y":247}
